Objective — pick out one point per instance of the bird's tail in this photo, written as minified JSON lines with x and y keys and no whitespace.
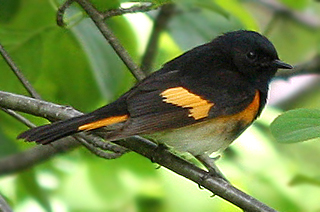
{"x":47,"y":133}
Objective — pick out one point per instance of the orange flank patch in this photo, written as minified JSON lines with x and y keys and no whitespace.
{"x":103,"y":122}
{"x":249,"y":114}
{"x":198,"y":107}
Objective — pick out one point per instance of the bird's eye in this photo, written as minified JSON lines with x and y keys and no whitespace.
{"x":251,"y":55}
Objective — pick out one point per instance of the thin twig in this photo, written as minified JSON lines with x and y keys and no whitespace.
{"x":98,"y":152}
{"x":98,"y":19}
{"x":160,"y":24}
{"x":145,"y":7}
{"x":96,"y":141}
{"x":142,"y":146}
{"x":61,"y":11}
{"x":18,"y":117}
{"x":18,"y":73}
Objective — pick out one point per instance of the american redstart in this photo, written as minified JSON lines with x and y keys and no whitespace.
{"x":198,"y":102}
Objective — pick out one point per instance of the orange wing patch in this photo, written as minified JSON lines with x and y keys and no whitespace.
{"x":198,"y":107}
{"x":103,"y":122}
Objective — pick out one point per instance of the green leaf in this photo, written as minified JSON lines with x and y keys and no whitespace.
{"x":107,"y":69}
{"x":296,"y":4}
{"x":301,"y":179}
{"x":109,"y":72}
{"x":296,"y":126}
{"x":8,"y":10}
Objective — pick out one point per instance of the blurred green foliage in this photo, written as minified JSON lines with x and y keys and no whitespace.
{"x":76,"y":66}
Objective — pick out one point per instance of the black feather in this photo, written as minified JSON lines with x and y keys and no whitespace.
{"x":50,"y":132}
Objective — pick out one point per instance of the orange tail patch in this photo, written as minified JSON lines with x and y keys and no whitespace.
{"x":103,"y":122}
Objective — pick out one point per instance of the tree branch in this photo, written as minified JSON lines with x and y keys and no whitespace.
{"x":4,"y":206}
{"x":61,"y":11}
{"x":184,"y":168}
{"x":147,"y":6}
{"x":98,"y":19}
{"x":91,"y":145}
{"x":18,"y":117}
{"x":142,"y":146}
{"x":39,"y":154}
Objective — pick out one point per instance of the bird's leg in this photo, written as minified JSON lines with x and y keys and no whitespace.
{"x":209,"y":163}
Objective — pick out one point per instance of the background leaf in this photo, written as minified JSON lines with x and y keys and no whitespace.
{"x":8,"y":10}
{"x":297,"y":125}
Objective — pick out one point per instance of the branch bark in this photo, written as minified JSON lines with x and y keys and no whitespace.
{"x":134,"y":9}
{"x":140,"y":145}
{"x":4,"y":206}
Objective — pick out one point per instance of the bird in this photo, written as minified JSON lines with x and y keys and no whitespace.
{"x":199,"y":102}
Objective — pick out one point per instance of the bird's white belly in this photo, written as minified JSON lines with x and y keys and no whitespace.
{"x":205,"y":137}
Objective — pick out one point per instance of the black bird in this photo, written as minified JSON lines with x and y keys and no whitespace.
{"x":198,"y":102}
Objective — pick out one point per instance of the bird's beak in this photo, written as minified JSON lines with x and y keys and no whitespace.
{"x":283,"y":65}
